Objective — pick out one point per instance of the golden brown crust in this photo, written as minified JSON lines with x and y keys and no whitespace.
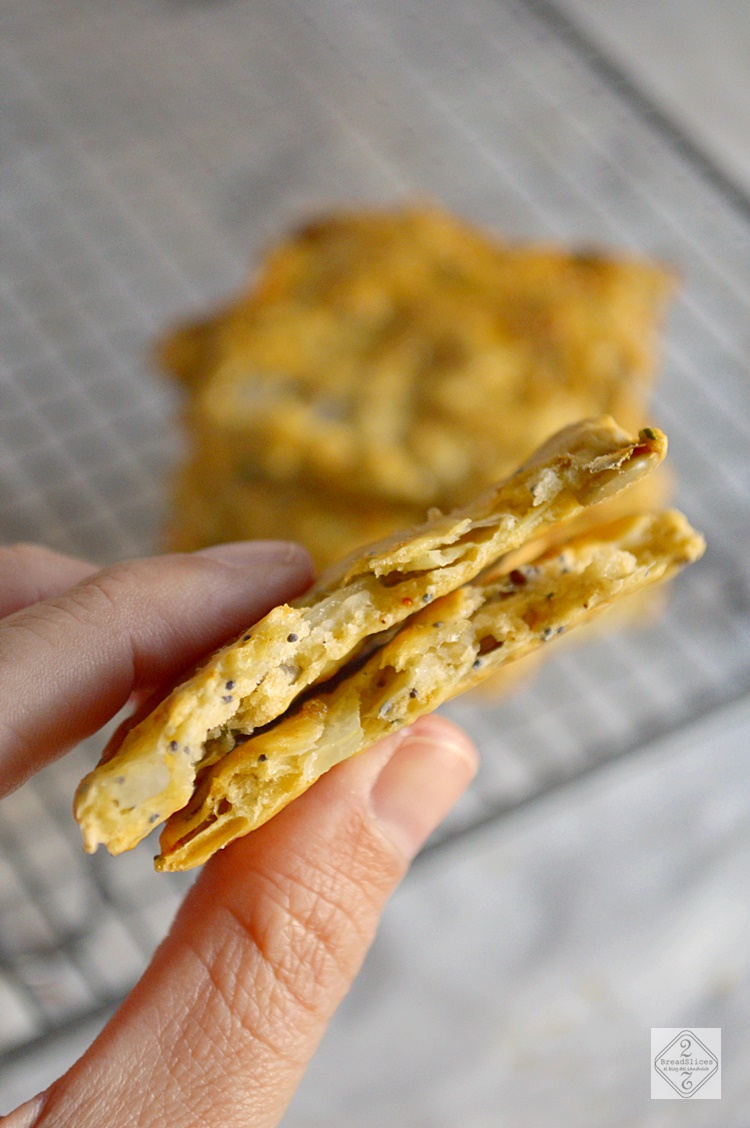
{"x":439,"y":652}
{"x":328,"y":525}
{"x":253,"y":680}
{"x":407,"y":357}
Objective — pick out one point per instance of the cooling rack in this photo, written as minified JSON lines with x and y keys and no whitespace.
{"x":150,"y":150}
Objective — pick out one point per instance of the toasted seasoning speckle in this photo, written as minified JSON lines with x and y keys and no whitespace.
{"x":648,"y":433}
{"x":153,"y":818}
{"x":561,"y":630}
{"x":262,"y":758}
{"x":517,"y":577}
{"x":547,"y":633}
{"x":476,"y":663}
{"x":413,"y":693}
{"x":390,"y":579}
{"x":229,"y":685}
{"x":438,"y":623}
{"x":227,"y":698}
{"x":173,"y":746}
{"x":427,"y":597}
{"x":246,"y":637}
{"x":292,"y":637}
{"x":490,"y":643}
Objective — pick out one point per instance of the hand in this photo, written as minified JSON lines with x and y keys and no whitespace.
{"x":220,"y":1028}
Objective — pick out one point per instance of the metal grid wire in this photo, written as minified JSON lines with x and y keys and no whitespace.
{"x":151,"y":149}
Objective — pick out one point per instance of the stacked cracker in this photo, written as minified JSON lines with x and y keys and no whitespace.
{"x":386,"y":362}
{"x":384,"y":637}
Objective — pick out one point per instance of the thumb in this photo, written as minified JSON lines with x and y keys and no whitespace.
{"x":219,"y":1030}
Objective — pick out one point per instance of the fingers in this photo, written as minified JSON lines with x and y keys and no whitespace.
{"x":69,"y":663}
{"x":222,"y":1025}
{"x":30,"y":572}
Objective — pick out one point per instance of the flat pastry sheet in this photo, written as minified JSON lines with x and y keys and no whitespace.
{"x":387,"y":634}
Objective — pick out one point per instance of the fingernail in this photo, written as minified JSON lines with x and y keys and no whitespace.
{"x":243,"y":553}
{"x":420,"y":783}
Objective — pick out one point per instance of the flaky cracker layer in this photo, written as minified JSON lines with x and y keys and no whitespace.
{"x":253,"y":681}
{"x":443,"y":650}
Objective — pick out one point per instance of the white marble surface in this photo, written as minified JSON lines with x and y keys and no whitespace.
{"x":515,"y":980}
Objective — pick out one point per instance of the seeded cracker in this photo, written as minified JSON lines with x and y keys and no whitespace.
{"x":254,"y":680}
{"x":441,"y":651}
{"x":403,"y":357}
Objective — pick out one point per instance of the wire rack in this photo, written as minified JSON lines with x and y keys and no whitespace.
{"x":151,"y":149}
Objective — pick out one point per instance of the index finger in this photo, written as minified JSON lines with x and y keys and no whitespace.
{"x":69,"y":663}
{"x":30,"y":572}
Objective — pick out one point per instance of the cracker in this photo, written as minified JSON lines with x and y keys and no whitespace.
{"x":255,"y":679}
{"x":328,"y":525}
{"x":409,"y":356}
{"x":443,"y":650}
